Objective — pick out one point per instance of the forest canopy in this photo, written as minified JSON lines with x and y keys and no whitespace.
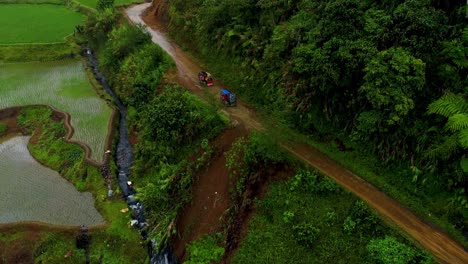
{"x":391,"y":75}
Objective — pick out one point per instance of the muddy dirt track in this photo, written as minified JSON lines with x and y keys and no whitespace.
{"x":444,"y":249}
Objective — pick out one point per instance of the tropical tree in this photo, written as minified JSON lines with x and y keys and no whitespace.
{"x":392,"y":81}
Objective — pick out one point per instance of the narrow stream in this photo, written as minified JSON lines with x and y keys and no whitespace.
{"x":124,"y":161}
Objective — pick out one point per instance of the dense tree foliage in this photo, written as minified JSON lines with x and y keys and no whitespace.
{"x":390,"y":75}
{"x":171,"y":121}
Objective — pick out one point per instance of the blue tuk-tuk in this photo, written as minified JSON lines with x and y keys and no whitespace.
{"x":227,"y":98}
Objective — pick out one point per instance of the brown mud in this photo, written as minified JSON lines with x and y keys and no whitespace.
{"x":206,"y":214}
{"x":21,"y":248}
{"x":443,"y":248}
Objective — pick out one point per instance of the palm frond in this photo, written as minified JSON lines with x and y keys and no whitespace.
{"x":448,"y":105}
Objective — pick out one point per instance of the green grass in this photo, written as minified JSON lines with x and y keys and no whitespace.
{"x":25,"y":23}
{"x":64,"y":85}
{"x":53,"y":2}
{"x":37,"y":52}
{"x":92,"y":3}
{"x":273,"y":235}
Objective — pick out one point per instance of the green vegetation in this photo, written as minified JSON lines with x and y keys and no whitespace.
{"x":369,"y":74}
{"x":3,"y":128}
{"x":63,"y":85}
{"x":118,"y":243}
{"x":37,"y":52}
{"x":204,"y":251}
{"x":309,"y":219}
{"x":171,"y":127}
{"x":21,"y":23}
{"x":94,"y":3}
{"x":51,"y":2}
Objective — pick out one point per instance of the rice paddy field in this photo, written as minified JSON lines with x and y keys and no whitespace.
{"x":65,"y":86}
{"x":41,"y":23}
{"x":32,"y":192}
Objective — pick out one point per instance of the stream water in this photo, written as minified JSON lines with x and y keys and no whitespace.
{"x":124,"y":161}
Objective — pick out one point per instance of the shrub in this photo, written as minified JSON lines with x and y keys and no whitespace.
{"x":326,"y":185}
{"x":349,"y":225}
{"x":288,"y":216}
{"x":140,"y":74}
{"x":122,"y":42}
{"x":306,"y":234}
{"x":306,"y":180}
{"x":204,"y":251}
{"x":367,"y":221}
{"x":330,"y":218}
{"x":171,"y":121}
{"x":103,"y":4}
{"x":390,"y":251}
{"x":262,"y":152}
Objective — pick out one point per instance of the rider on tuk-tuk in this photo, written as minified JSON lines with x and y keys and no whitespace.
{"x":205,"y":77}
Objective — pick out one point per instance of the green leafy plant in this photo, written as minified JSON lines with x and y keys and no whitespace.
{"x":3,"y":128}
{"x":390,"y":251}
{"x":454,"y":107}
{"x":306,"y":234}
{"x":288,"y":216}
{"x":103,"y":4}
{"x":204,"y":251}
{"x":349,"y":225}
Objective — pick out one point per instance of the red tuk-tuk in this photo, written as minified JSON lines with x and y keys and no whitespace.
{"x":205,"y":77}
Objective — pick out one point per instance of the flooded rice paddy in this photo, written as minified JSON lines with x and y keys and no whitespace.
{"x":65,"y":86}
{"x":33,"y":193}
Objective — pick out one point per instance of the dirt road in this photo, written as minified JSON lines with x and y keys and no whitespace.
{"x":445,"y":249}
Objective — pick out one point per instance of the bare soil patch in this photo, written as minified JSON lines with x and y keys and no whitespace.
{"x":206,"y":214}
{"x":20,"y":250}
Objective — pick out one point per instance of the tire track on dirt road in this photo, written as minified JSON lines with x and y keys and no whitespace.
{"x":444,"y":249}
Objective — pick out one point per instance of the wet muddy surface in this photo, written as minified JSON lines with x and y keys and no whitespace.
{"x":443,"y":248}
{"x":30,"y":192}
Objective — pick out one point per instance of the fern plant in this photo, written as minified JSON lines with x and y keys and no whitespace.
{"x":455,"y":108}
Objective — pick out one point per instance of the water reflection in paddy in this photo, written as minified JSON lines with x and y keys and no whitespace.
{"x":32,"y":192}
